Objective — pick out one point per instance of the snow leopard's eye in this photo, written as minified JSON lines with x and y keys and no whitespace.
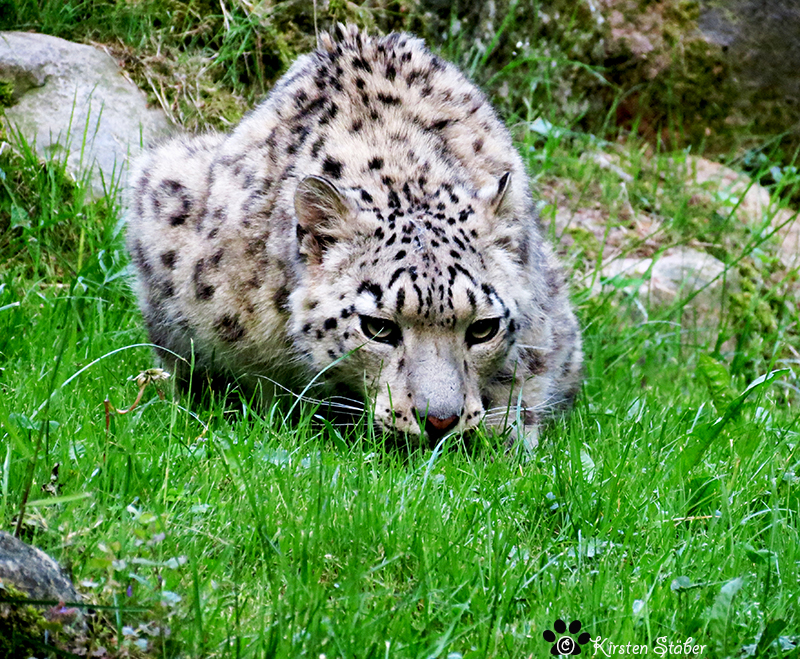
{"x":380,"y":329}
{"x":482,"y":330}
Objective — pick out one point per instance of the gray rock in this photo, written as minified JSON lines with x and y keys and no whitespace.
{"x":74,"y":101}
{"x":734,"y":192}
{"x":33,"y":572}
{"x":679,"y":273}
{"x":761,"y":40}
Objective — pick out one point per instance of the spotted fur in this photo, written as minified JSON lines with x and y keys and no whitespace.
{"x":374,"y":189}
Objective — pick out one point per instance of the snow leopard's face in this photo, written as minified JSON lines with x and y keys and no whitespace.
{"x":419,"y":309}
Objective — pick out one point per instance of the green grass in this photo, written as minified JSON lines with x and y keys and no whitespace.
{"x":247,"y":535}
{"x":664,"y":507}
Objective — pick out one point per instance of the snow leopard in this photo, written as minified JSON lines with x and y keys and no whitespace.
{"x":367,"y":231}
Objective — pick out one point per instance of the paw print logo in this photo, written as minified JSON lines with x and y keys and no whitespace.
{"x":566,"y":645}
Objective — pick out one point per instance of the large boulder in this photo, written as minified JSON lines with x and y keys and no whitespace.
{"x":31,"y":571}
{"x":28,"y":574}
{"x":677,"y":275}
{"x":73,"y":101}
{"x":759,"y":39}
{"x":734,"y":192}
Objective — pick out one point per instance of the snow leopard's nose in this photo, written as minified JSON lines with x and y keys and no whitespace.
{"x":436,"y":427}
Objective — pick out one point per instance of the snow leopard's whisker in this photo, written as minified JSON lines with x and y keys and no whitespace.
{"x":509,"y":417}
{"x":328,"y":403}
{"x":331,"y":402}
{"x":339,"y":407}
{"x":495,"y":413}
{"x":513,"y":411}
{"x":354,"y":401}
{"x":506,"y":409}
{"x":553,"y":402}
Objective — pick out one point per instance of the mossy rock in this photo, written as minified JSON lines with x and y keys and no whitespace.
{"x":6,"y":94}
{"x":21,"y":625}
{"x":758,"y":38}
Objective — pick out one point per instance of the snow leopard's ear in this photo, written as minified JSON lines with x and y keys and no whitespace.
{"x":509,"y":221}
{"x":506,"y":229}
{"x":501,"y":201}
{"x":497,"y":194}
{"x":324,"y":216}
